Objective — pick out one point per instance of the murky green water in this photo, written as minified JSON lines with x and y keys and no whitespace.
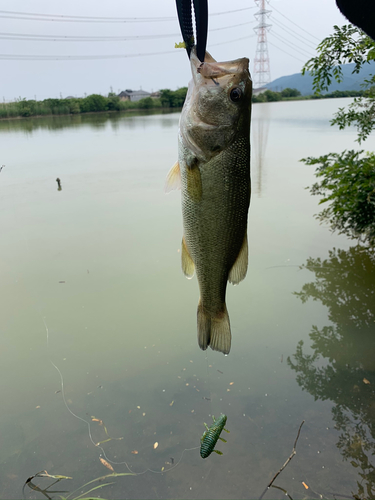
{"x":91,"y":288}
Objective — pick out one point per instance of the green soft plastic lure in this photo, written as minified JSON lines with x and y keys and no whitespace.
{"x":212,"y":435}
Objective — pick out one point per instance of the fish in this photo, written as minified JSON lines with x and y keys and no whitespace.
{"x":213,"y":172}
{"x":212,"y":435}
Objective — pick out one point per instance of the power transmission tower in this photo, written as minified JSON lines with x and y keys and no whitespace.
{"x":262,"y":74}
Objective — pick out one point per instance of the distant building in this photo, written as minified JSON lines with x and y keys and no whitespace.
{"x":133,"y":95}
{"x":259,"y":90}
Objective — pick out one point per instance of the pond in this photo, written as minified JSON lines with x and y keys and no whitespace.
{"x":99,"y":362}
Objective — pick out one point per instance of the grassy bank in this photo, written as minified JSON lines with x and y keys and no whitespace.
{"x":95,"y":103}
{"x":295,"y":95}
{"x":22,"y":108}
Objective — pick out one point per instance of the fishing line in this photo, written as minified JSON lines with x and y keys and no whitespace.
{"x":89,"y":425}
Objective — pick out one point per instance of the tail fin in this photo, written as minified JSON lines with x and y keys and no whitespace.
{"x":214,"y":331}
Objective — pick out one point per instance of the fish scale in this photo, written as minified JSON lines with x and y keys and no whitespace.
{"x":214,"y":168}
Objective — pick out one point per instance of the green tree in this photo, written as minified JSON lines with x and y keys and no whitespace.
{"x":349,"y":177}
{"x":173,"y":98}
{"x":348,"y":183}
{"x":113,"y":102}
{"x":290,"y":92}
{"x":271,"y":96}
{"x":94,"y":102}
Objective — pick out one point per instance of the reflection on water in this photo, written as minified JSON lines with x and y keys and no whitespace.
{"x":260,"y":128}
{"x":98,"y":262}
{"x":129,"y":119}
{"x":344,"y":283}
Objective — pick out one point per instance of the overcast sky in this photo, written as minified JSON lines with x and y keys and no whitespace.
{"x":297,"y":27}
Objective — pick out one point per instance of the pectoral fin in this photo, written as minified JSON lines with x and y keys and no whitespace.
{"x":239,"y":268}
{"x":194,"y":182}
{"x":173,"y":180}
{"x":187,"y":263}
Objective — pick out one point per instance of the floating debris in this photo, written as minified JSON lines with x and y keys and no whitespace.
{"x":156,"y":445}
{"x":106,"y":464}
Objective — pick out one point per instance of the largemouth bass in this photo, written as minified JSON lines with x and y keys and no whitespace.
{"x":213,"y":170}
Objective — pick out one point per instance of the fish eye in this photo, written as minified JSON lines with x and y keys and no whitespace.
{"x":236,"y":94}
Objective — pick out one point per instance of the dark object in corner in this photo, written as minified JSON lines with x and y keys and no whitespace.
{"x":58,"y":184}
{"x":361,"y":13}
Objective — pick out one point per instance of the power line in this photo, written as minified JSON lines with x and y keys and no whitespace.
{"x":284,"y":40}
{"x":236,"y":40}
{"x":291,"y":55}
{"x":73,"y":38}
{"x":29,"y":16}
{"x":298,"y":26}
{"x":25,"y":57}
{"x":294,"y":33}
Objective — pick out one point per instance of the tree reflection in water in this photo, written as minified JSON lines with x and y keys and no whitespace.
{"x":345,"y":283}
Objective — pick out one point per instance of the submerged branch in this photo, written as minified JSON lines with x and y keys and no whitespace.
{"x":285,"y":464}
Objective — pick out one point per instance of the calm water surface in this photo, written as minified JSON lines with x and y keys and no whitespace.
{"x":92,"y":295}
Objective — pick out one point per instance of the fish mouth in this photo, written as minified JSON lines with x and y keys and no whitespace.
{"x":211,"y":69}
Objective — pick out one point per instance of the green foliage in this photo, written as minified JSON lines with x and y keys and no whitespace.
{"x":348,"y":44}
{"x":348,"y":183}
{"x":146,"y":103}
{"x":271,"y":96}
{"x":173,"y":98}
{"x":343,"y":93}
{"x":94,"y":102}
{"x":348,"y":178}
{"x":267,"y":96}
{"x":113,"y":102}
{"x":90,"y":104}
{"x":290,"y":92}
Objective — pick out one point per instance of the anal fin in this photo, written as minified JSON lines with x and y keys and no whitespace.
{"x":239,"y":268}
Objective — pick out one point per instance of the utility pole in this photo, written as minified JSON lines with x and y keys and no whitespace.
{"x":262,"y":74}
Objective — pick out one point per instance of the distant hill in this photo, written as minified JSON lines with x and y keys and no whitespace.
{"x":304,"y":83}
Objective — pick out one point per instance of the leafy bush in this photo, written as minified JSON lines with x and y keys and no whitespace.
{"x":348,"y":183}
{"x":93,"y":102}
{"x":173,"y":98}
{"x":290,"y":92}
{"x":348,"y":177}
